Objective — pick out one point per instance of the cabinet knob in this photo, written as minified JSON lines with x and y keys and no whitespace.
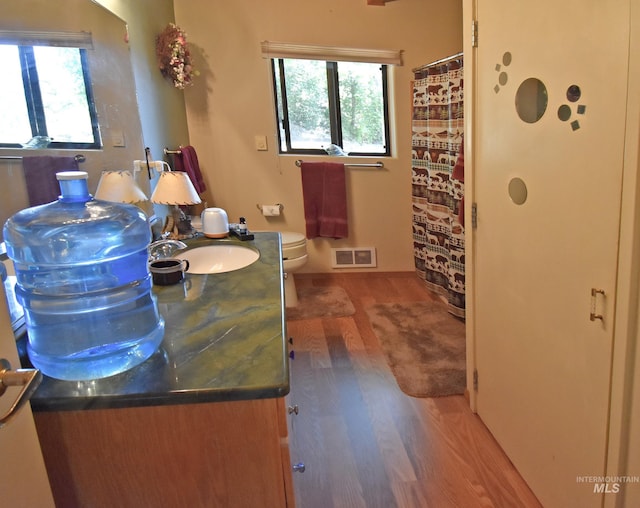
{"x":292,"y":355}
{"x":299,"y":467}
{"x":293,"y":409}
{"x":290,"y":340}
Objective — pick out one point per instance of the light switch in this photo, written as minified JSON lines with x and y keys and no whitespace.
{"x":261,"y":143}
{"x":117,"y":138}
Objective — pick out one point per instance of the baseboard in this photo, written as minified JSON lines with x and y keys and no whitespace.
{"x":354,"y":275}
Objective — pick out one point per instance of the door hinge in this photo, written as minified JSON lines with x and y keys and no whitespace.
{"x":475,"y":380}
{"x":474,"y":215}
{"x":474,"y":34}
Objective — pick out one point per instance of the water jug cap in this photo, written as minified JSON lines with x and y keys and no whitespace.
{"x":73,"y":186}
{"x":72,"y":175}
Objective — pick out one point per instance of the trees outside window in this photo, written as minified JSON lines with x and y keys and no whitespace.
{"x":46,"y":91}
{"x":320,"y":103}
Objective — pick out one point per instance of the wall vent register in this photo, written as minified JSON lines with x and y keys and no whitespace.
{"x":361,"y":257}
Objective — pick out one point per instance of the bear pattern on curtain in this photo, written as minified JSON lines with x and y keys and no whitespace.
{"x":437,"y":133}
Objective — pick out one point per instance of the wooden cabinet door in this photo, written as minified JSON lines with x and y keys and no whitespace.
{"x":219,"y":454}
{"x":550,"y":96}
{"x":23,"y":480}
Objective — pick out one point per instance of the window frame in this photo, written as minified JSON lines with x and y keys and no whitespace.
{"x":334,"y":110}
{"x":35,"y":107}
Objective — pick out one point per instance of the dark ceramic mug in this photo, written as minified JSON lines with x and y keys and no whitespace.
{"x":168,"y":270}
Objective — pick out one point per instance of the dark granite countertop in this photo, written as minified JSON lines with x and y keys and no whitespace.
{"x":225,"y":339}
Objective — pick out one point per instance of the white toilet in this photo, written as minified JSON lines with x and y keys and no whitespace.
{"x":294,"y":257}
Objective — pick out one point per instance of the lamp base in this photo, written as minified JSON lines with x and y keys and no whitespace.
{"x":178,"y":225}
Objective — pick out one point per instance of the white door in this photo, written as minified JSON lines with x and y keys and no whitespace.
{"x":23,"y":478}
{"x":548,"y":176}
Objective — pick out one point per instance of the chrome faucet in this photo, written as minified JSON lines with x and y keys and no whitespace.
{"x":165,"y":248}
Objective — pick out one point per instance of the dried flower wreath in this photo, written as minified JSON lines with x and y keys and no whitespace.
{"x":174,"y":57}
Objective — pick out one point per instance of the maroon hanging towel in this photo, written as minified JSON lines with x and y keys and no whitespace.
{"x":187,"y":161}
{"x":40,"y":175}
{"x":325,"y":199}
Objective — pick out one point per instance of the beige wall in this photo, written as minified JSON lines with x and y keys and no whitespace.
{"x":231,"y":102}
{"x":161,"y":106}
{"x":631,"y":449}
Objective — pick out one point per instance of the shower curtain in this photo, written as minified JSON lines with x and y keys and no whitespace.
{"x":437,"y":190}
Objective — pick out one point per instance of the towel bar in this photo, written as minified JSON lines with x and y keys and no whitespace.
{"x":363,"y":165}
{"x":78,"y":158}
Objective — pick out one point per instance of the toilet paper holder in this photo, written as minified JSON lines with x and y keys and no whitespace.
{"x":271,"y":210}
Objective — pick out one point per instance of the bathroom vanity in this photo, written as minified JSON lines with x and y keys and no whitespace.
{"x":202,"y":422}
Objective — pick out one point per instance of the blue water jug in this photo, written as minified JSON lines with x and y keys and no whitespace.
{"x":83,"y":280}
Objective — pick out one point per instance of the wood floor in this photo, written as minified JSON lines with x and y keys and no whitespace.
{"x":365,"y":443}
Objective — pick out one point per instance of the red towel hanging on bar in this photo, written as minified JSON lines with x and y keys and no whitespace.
{"x":325,"y":199}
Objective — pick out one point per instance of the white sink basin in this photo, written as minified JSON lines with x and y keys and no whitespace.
{"x":218,"y":258}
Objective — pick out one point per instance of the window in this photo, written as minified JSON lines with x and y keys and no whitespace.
{"x":45,"y":91}
{"x":322,"y":103}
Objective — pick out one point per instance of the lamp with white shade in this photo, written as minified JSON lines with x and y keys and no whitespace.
{"x":175,"y":189}
{"x":119,"y":186}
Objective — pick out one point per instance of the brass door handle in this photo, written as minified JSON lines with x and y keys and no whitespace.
{"x":28,"y":379}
